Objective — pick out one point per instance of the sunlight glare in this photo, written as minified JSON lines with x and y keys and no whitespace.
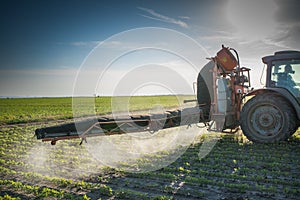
{"x":252,"y":20}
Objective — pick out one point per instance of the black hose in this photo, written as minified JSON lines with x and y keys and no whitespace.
{"x":237,"y":56}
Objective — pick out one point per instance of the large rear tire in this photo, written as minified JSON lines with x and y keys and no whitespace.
{"x":268,"y":118}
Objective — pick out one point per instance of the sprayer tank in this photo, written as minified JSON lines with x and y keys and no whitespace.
{"x":224,"y":95}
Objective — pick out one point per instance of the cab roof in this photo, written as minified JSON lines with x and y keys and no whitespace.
{"x":282,"y":55}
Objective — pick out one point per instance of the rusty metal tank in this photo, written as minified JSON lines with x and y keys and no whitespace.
{"x":226,"y":59}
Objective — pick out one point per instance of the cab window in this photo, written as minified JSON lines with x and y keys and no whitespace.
{"x":286,"y":74}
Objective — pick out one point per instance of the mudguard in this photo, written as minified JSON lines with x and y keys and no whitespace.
{"x":282,"y":92}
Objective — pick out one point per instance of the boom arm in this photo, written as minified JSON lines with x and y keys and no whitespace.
{"x":108,"y":126}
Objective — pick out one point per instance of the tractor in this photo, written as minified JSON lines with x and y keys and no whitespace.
{"x":225,"y":101}
{"x":273,"y":112}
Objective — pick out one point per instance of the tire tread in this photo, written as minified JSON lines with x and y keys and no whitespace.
{"x":277,"y":100}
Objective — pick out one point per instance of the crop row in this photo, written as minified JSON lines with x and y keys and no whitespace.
{"x":37,"y":191}
{"x":66,"y":186}
{"x":67,"y":170}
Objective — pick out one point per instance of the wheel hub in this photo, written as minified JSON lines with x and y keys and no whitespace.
{"x":267,"y":120}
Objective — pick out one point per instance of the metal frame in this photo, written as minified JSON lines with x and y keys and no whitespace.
{"x":152,"y":127}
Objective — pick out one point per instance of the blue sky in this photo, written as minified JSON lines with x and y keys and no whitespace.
{"x":44,"y":43}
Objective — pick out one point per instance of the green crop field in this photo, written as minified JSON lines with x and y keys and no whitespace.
{"x":23,"y":110}
{"x":234,"y":169}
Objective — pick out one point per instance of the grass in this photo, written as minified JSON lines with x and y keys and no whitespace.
{"x":234,"y":169}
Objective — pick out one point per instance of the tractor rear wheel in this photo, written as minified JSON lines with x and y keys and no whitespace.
{"x":268,"y":118}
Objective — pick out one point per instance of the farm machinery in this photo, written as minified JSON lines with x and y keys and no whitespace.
{"x":225,"y":102}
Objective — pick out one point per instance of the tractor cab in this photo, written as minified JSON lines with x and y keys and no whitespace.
{"x":284,"y":71}
{"x":286,"y":74}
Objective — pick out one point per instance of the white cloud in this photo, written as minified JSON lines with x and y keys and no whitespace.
{"x":104,"y":43}
{"x":85,"y":43}
{"x":218,"y":36}
{"x":159,"y":17}
{"x":184,"y":17}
